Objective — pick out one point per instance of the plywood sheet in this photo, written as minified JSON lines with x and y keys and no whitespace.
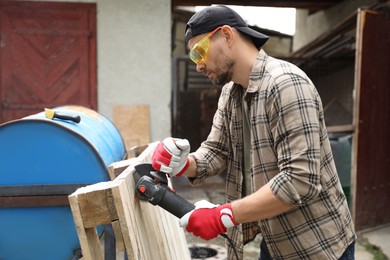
{"x":133,"y":122}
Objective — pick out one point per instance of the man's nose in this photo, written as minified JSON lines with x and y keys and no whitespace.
{"x":200,"y":67}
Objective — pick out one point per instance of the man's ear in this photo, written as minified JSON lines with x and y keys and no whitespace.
{"x":227,"y":32}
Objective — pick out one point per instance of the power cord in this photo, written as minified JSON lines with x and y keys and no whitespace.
{"x":231,"y":244}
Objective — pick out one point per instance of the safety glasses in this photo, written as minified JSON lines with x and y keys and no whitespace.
{"x":199,"y":52}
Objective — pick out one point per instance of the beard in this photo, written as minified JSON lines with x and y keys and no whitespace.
{"x":224,"y":73}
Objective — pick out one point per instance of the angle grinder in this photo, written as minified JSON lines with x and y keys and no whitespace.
{"x":152,"y":186}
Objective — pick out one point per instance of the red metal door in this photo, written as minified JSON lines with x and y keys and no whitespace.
{"x":47,"y":56}
{"x":371,"y":178}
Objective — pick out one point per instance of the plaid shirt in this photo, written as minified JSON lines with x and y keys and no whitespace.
{"x":291,"y":150}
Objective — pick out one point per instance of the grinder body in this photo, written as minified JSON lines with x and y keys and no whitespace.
{"x":152,"y":186}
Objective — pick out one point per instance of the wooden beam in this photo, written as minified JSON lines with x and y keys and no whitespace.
{"x":303,"y":4}
{"x":340,"y":128}
{"x":88,"y":237}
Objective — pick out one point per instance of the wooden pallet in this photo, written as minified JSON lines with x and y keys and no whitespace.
{"x":142,"y":230}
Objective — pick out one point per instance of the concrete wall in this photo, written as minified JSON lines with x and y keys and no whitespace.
{"x":310,"y":26}
{"x":278,"y":46}
{"x":134,"y":58}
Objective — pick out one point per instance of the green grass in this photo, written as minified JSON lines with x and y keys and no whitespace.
{"x":374,"y":250}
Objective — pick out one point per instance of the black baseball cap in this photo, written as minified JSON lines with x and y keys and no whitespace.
{"x":212,"y":17}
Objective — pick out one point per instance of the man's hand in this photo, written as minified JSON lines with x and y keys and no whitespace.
{"x":208,"y":220}
{"x":171,"y":156}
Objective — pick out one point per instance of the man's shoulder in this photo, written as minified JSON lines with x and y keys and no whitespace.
{"x":280,"y":70}
{"x":280,"y":66}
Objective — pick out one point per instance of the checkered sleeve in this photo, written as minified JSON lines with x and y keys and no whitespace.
{"x":294,"y":120}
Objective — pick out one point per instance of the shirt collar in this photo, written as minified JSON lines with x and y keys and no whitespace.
{"x":257,"y":72}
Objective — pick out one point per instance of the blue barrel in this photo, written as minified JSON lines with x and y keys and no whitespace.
{"x":42,"y":161}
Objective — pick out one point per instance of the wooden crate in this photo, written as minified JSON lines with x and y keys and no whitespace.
{"x":141,"y":229}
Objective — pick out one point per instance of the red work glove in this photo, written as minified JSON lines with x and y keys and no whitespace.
{"x":208,"y":220}
{"x":171,"y":156}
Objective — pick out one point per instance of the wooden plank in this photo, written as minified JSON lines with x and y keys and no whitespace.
{"x":156,"y":230}
{"x":133,"y":123}
{"x":131,"y":223}
{"x":167,"y":232}
{"x":136,"y":151}
{"x":146,"y":231}
{"x":93,"y":204}
{"x":116,"y":168}
{"x":89,"y":240}
{"x":153,"y":229}
{"x":120,"y":244}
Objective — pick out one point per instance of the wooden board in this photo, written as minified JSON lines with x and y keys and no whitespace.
{"x":371,"y":165}
{"x":143,"y":230}
{"x":133,"y":123}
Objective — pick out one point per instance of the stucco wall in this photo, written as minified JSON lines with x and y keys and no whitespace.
{"x":134,"y":58}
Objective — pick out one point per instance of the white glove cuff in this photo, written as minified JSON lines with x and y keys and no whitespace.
{"x":226,"y":217}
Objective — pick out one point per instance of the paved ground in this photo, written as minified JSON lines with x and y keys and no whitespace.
{"x":213,"y":190}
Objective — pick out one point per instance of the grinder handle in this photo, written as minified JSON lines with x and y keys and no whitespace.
{"x":175,"y":204}
{"x":161,"y":195}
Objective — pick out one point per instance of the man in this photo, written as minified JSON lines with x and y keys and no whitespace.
{"x":269,"y":133}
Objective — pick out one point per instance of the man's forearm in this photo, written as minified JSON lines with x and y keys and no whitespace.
{"x":191,"y":170}
{"x":260,"y":205}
